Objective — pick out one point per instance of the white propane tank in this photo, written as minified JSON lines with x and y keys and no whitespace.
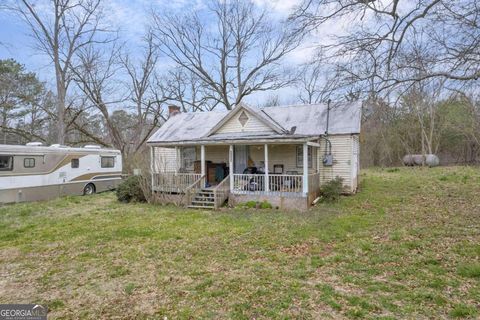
{"x":430,"y":160}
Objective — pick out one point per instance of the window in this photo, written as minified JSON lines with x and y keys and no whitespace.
{"x":29,"y":163}
{"x":107,"y":162}
{"x":300,"y":157}
{"x":6,"y":163}
{"x":75,"y":163}
{"x":188,"y":157}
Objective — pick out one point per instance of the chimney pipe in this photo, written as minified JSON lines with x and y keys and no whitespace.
{"x":173,"y":110}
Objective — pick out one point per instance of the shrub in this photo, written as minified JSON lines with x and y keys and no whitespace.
{"x":256,"y":205}
{"x":130,"y":190}
{"x":266,"y":205}
{"x":332,"y":190}
{"x":250,"y":204}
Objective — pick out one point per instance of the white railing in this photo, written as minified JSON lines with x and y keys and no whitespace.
{"x":173,"y":182}
{"x":221,"y":192}
{"x":278,"y":183}
{"x":286,"y":183}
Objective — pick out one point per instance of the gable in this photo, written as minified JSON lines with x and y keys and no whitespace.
{"x":243,"y":121}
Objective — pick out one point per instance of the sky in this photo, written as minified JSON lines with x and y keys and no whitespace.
{"x":131,"y":17}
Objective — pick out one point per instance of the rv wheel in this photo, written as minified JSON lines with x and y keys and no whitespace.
{"x":89,"y":189}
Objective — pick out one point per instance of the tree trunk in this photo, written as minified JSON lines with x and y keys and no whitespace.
{"x":60,"y":108}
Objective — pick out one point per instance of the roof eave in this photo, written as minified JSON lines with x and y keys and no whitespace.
{"x":299,"y":139}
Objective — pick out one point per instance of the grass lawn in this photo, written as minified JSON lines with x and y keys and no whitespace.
{"x":406,"y":246}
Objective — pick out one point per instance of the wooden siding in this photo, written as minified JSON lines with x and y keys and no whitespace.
{"x":342,"y":151}
{"x":252,"y":125}
{"x":355,"y":161}
{"x":165,"y":160}
{"x":216,"y":154}
{"x":281,"y":154}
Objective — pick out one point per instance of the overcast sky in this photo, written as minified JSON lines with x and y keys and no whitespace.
{"x":131,"y":17}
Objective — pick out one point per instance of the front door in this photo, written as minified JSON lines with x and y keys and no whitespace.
{"x":240,"y":162}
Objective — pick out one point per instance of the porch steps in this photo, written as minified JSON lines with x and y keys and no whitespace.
{"x":204,"y":199}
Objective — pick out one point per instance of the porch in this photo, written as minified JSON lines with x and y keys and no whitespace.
{"x":206,"y":175}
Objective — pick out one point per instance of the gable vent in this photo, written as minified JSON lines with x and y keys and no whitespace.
{"x":243,"y":118}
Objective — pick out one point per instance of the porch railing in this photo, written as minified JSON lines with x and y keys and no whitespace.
{"x":173,"y":182}
{"x":278,"y":183}
{"x":194,"y":188}
{"x":221,"y":192}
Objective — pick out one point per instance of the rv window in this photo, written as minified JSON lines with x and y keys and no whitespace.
{"x":107,"y":162}
{"x":6,"y":163}
{"x":29,"y":163}
{"x":75,"y":163}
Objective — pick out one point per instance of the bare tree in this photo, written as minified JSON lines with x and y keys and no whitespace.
{"x":185,"y":89}
{"x":60,"y":29}
{"x":129,"y":117}
{"x":317,"y":82}
{"x":237,"y":51}
{"x":382,"y":41}
{"x":144,"y":93}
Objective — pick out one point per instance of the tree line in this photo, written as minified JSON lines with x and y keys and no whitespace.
{"x":414,"y":66}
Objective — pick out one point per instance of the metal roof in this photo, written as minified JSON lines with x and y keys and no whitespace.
{"x":310,"y":121}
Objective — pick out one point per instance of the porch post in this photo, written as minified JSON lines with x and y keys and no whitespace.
{"x":305,"y":168}
{"x":267,"y":180}
{"x":230,"y":166}
{"x":202,"y":161}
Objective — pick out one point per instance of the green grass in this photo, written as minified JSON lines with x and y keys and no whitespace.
{"x":406,"y":246}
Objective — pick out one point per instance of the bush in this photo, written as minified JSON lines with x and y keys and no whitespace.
{"x":130,"y":190}
{"x":265,"y":205}
{"x":256,"y":205}
{"x":250,"y":204}
{"x":332,"y":190}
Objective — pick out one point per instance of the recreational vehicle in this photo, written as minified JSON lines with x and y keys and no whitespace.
{"x":35,"y":172}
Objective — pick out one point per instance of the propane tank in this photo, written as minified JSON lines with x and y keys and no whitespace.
{"x":430,"y":160}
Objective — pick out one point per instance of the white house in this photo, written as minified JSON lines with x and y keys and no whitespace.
{"x":277,"y":154}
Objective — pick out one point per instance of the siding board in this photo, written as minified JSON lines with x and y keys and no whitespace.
{"x":165,"y":159}
{"x":342,"y":151}
{"x":252,"y":125}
